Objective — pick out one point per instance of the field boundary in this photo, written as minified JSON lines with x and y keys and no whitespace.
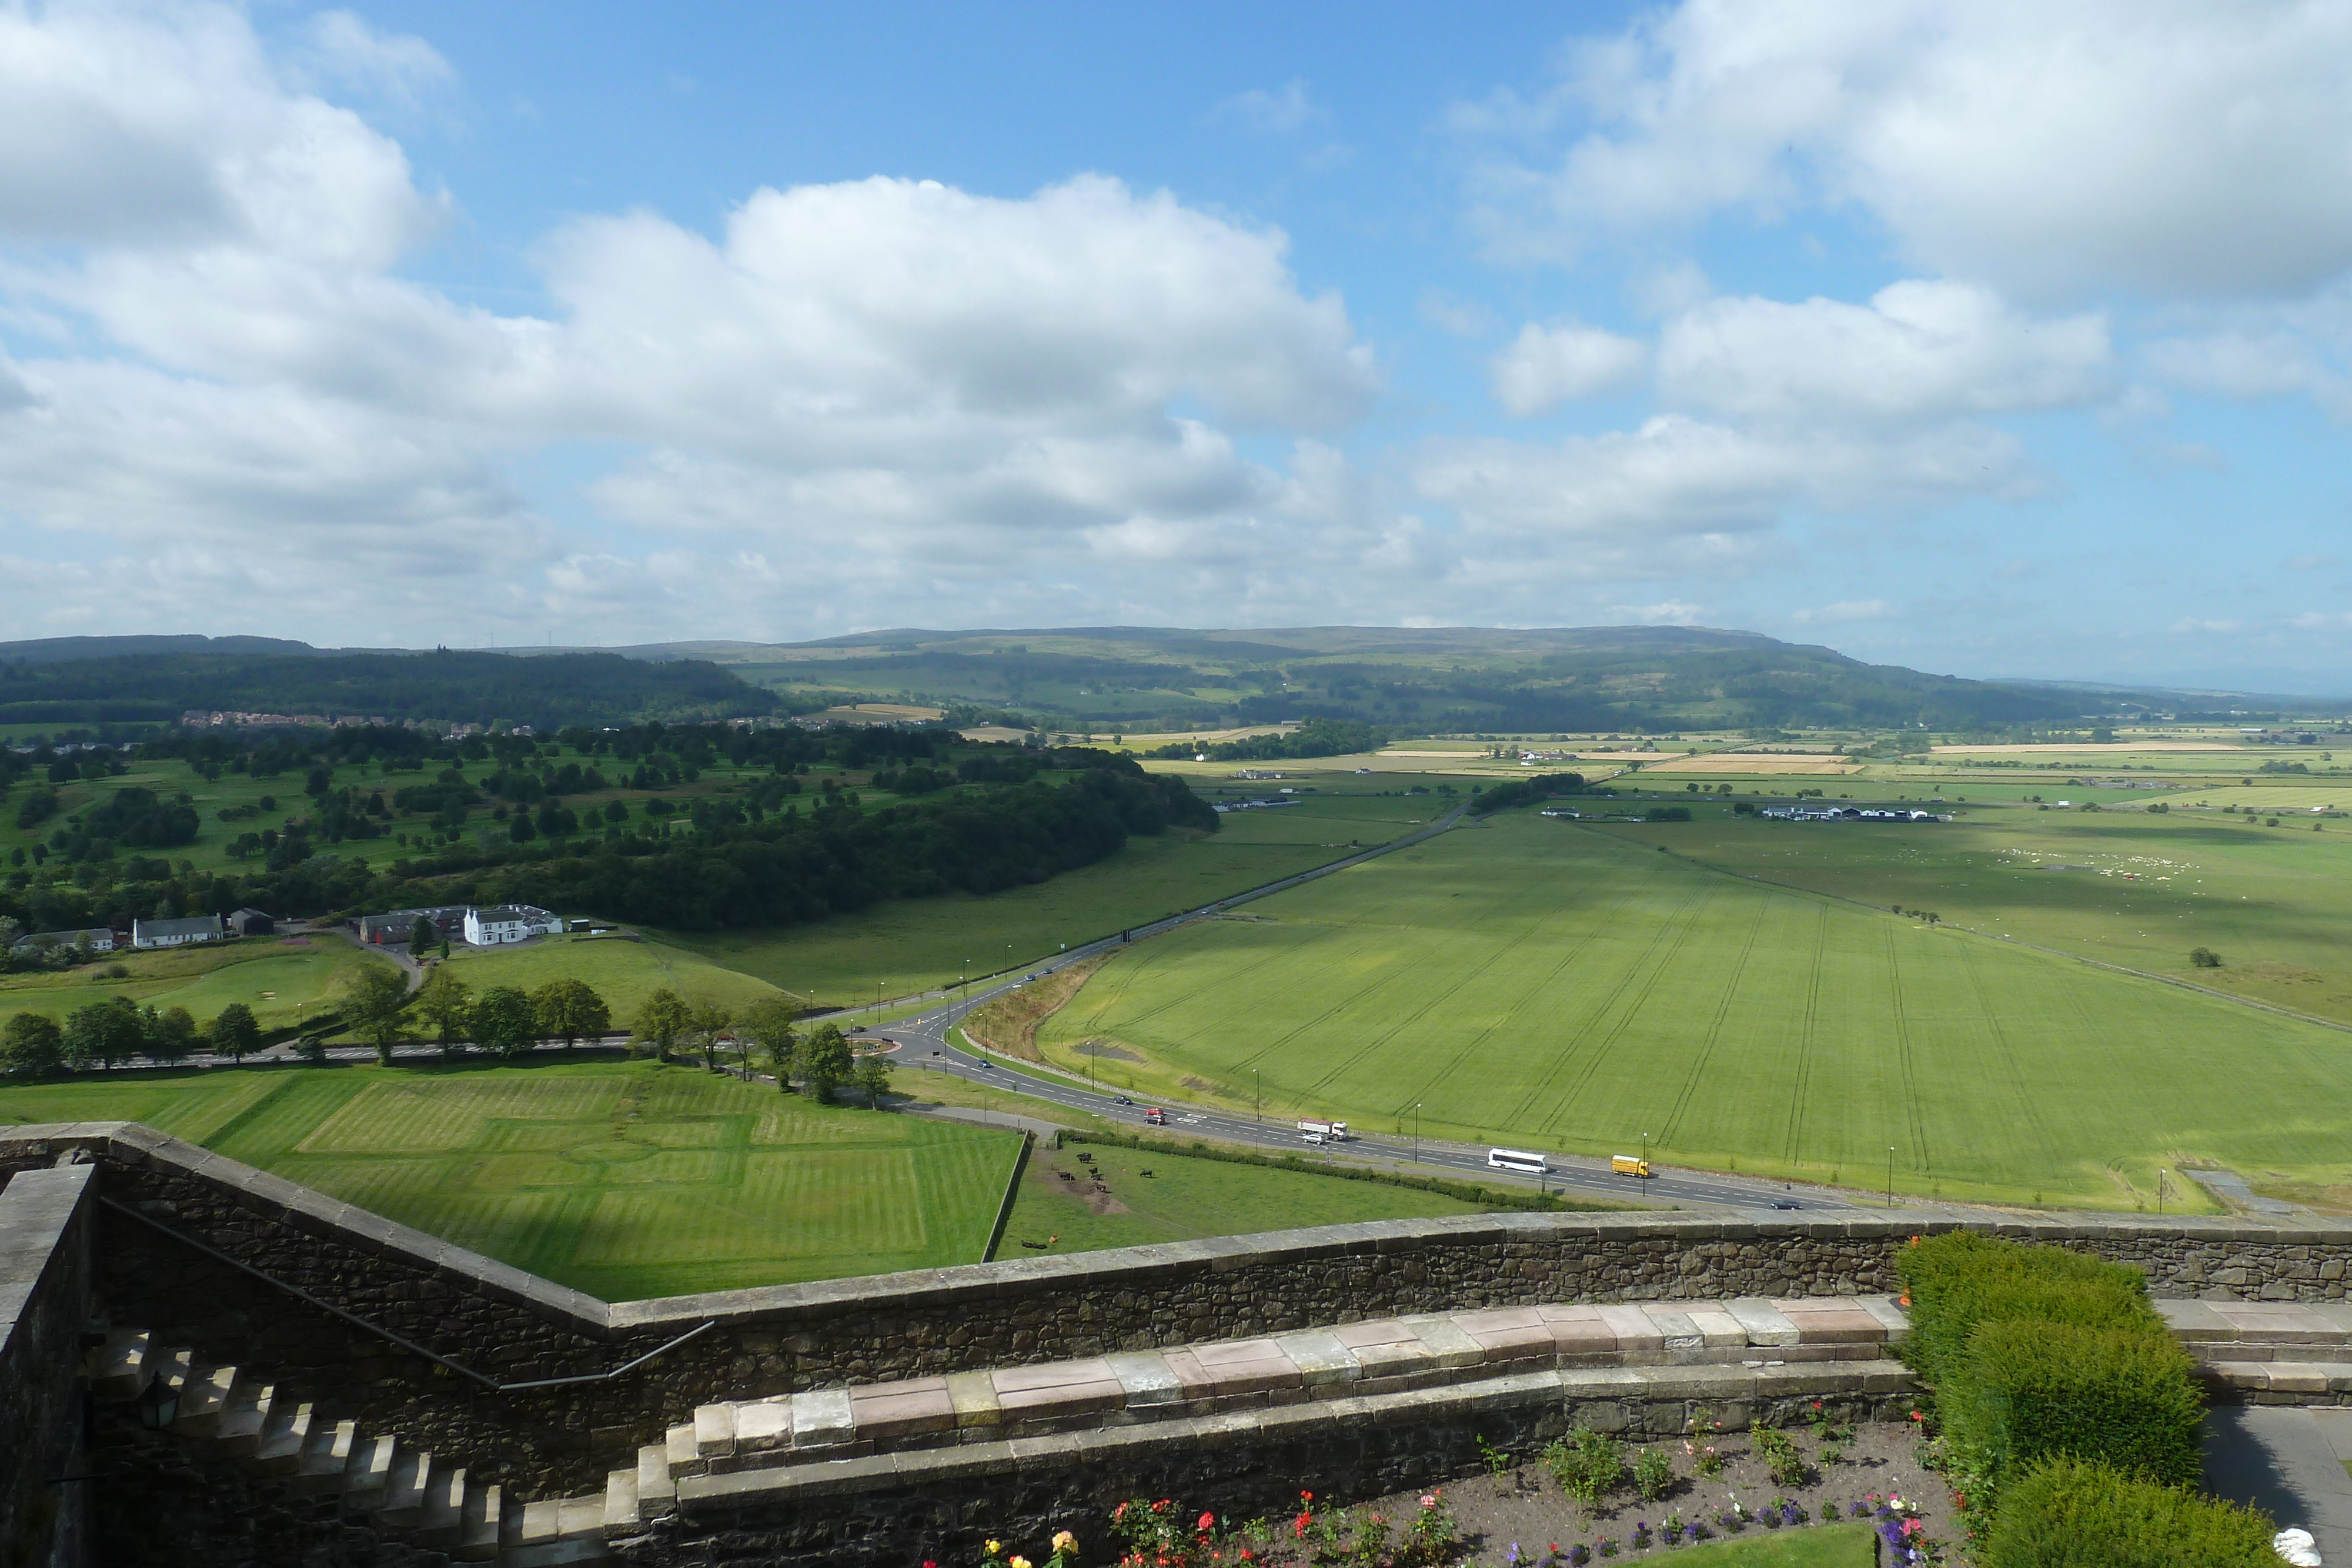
{"x":2337,"y":1025}
{"x":1011,"y":1191}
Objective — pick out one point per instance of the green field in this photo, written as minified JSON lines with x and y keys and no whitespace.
{"x":2127,"y":888}
{"x":912,"y":945}
{"x":1185,"y":1198}
{"x":282,"y":980}
{"x":1820,"y":1546}
{"x":625,"y":1180}
{"x":624,"y":973}
{"x":1535,"y":982}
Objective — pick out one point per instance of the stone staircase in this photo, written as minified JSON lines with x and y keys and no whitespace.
{"x":222,"y":1410}
{"x":2268,"y":1353}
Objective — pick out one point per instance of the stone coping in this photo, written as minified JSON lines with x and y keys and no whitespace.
{"x":138,"y":1146}
{"x":1131,"y":1448}
{"x":37,"y":1207}
{"x":1628,"y":1343}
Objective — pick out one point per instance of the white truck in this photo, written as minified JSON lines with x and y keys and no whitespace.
{"x":1324,"y":1131}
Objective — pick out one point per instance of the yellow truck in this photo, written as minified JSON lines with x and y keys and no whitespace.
{"x":1629,"y":1164}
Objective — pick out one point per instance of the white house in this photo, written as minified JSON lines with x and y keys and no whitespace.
{"x":509,"y":922}
{"x":175,"y":933}
{"x":98,"y":940}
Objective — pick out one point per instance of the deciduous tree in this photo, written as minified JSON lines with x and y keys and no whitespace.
{"x":873,"y":1080}
{"x":662,"y":1022}
{"x":446,"y":1004}
{"x":570,"y":1008}
{"x":769,"y":1022}
{"x":505,"y":1021}
{"x":32,"y":1045}
{"x":375,"y":998}
{"x":823,"y":1060}
{"x":707,"y":1020}
{"x":233,"y":1031}
{"x":103,"y":1033}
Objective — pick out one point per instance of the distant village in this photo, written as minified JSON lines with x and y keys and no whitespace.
{"x":457,"y":924}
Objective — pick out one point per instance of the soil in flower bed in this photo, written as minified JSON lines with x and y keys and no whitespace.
{"x":1525,"y":1507}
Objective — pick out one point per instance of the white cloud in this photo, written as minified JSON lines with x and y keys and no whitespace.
{"x":1843,"y":614}
{"x":1669,"y":612}
{"x":2249,"y":365}
{"x":1278,"y":112}
{"x":170,"y":128}
{"x":1546,"y":366}
{"x":342,"y":50}
{"x":1919,"y":351}
{"x":2182,"y":148}
{"x":1682,"y":496}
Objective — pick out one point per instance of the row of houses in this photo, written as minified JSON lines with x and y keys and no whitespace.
{"x":493,"y":926}
{"x":217,"y":718}
{"x":1853,"y":814}
{"x":147,"y":935}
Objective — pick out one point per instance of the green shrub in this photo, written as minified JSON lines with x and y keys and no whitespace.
{"x":1779,"y":1456}
{"x":1588,"y":1465}
{"x":1654,"y":1474}
{"x":2072,"y":1513}
{"x":2033,"y":1390}
{"x":1959,"y":1279}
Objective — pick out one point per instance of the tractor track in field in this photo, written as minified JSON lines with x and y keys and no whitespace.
{"x":1802,"y":1088}
{"x":1673,"y":933}
{"x":1913,"y":1115}
{"x":1713,"y":1031}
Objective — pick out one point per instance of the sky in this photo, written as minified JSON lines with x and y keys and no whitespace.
{"x":1990,"y":339}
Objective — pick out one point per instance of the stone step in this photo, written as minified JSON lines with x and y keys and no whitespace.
{"x":369,"y":1475}
{"x":1374,"y":1357}
{"x":325,"y":1458}
{"x":553,"y":1532}
{"x":2300,"y":1324}
{"x":478,"y":1539}
{"x":621,"y":1500}
{"x":243,"y":1424}
{"x":405,"y":1494}
{"x":285,"y":1440}
{"x":443,"y":1518}
{"x":2272,"y":1382}
{"x":656,"y":1488}
{"x":118,"y":1369}
{"x":203,"y":1399}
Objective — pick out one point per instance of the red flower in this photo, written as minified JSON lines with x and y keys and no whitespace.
{"x":1208,"y":1520}
{"x":1120,"y":1513}
{"x":1307,"y":1497}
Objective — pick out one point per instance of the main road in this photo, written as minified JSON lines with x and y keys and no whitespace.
{"x":923,"y":1041}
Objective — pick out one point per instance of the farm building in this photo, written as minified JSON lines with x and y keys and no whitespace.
{"x":98,"y":940}
{"x":395,"y":927}
{"x":509,"y":922}
{"x":176,"y":933}
{"x":251,"y":923}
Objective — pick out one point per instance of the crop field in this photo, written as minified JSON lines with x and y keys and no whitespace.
{"x":1543,"y":984}
{"x":282,"y":980}
{"x":622,"y":1179}
{"x":2123,"y":887}
{"x":1183,"y":1199}
{"x":910,"y":945}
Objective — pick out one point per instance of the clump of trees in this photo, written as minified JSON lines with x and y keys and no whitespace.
{"x":115,"y":1031}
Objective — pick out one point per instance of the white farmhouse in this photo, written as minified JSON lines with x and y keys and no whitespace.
{"x":509,"y":922}
{"x":176,"y":933}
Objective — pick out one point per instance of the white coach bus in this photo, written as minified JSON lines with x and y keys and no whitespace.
{"x":1517,"y":1160}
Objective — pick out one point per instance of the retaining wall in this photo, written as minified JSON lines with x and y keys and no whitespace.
{"x":45,"y":1245}
{"x":515,"y":1327}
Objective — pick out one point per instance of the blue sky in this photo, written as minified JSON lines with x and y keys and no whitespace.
{"x":1981,"y":337}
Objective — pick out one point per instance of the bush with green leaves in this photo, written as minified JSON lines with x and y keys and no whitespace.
{"x":1588,"y":1465}
{"x":1654,"y":1474}
{"x":1780,"y":1456}
{"x":2073,"y":1513}
{"x":1960,"y":1279}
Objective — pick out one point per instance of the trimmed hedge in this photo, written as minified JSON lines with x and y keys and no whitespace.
{"x":2035,"y":1353}
{"x":1960,"y":1279}
{"x":2071,"y":1513}
{"x":2036,"y":1389}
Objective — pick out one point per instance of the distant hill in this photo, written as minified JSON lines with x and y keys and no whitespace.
{"x":56,"y":650}
{"x":1438,"y":678}
{"x":547,"y":691}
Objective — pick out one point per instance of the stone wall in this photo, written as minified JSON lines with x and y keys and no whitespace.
{"x":44,"y":1244}
{"x":513,"y":1327}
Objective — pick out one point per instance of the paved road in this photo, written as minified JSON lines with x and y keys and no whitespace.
{"x":923,"y":1044}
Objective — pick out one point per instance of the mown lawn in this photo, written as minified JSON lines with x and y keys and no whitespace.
{"x":282,"y":980}
{"x":1184,"y":1198}
{"x":1532,"y":982}
{"x":622,"y":1179}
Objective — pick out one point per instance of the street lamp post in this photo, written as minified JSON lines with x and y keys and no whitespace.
{"x":1416,"y":1132}
{"x":1257,"y":1097}
{"x":1890,"y":1175}
{"x":1644,"y":1176}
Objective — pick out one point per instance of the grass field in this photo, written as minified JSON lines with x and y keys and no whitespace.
{"x":624,"y":973}
{"x":1185,"y":1198}
{"x":1820,"y":1546}
{"x":283,"y":981}
{"x":1534,"y":982}
{"x":912,"y":945}
{"x":622,"y":1179}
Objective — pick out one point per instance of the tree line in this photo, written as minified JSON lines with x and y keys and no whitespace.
{"x":505,"y":1021}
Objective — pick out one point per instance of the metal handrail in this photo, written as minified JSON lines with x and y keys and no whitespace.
{"x":381,"y":1333}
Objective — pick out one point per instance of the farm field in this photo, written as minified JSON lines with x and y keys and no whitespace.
{"x":1542,"y":984}
{"x":1185,"y":1198}
{"x":622,"y":1179}
{"x":282,"y":980}
{"x":913,"y":945}
{"x":624,"y":973}
{"x":2125,"y":887}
